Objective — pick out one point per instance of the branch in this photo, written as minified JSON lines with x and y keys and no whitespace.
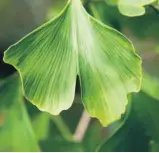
{"x":82,"y":127}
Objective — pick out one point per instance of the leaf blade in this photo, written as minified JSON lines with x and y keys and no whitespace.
{"x":109,"y":69}
{"x":38,"y":48}
{"x":79,"y":45}
{"x":133,"y":8}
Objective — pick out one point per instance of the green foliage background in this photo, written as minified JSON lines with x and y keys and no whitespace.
{"x":24,"y":128}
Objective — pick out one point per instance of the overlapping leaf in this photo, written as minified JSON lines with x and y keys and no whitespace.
{"x":50,"y":57}
{"x":133,"y":7}
{"x":16,"y":133}
{"x":141,"y":129}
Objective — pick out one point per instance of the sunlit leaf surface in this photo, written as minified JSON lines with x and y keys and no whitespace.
{"x":133,"y":7}
{"x":16,"y":133}
{"x":50,"y":58}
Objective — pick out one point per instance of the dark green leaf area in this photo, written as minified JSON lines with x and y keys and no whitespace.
{"x":141,"y":129}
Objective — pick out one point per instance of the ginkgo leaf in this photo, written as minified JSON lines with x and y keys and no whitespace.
{"x":47,"y":64}
{"x":133,"y":7}
{"x":16,"y":133}
{"x":50,"y":57}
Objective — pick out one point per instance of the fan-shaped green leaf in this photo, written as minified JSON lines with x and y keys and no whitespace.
{"x":74,"y":43}
{"x":47,"y":64}
{"x":133,"y":7}
{"x":16,"y":133}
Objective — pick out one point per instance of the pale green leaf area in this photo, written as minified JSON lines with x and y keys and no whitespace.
{"x":16,"y":133}
{"x":140,"y":130}
{"x":133,"y":7}
{"x":74,"y":43}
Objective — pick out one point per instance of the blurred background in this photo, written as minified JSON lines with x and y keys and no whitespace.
{"x":61,"y":133}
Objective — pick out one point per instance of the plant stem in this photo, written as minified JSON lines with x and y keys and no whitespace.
{"x":63,"y":128}
{"x":82,"y":127}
